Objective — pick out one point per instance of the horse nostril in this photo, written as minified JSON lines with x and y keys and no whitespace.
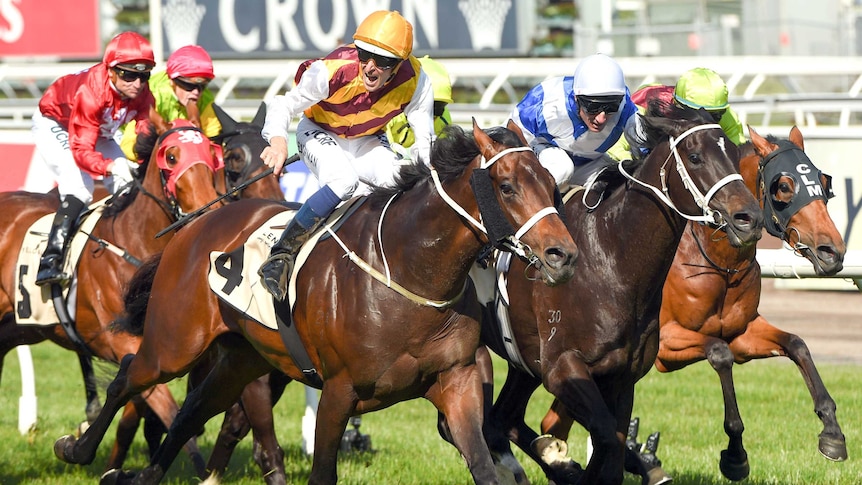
{"x":556,"y":257}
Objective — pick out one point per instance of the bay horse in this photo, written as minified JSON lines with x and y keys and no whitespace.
{"x":371,"y":345}
{"x":178,"y":178}
{"x":712,"y":292}
{"x":590,"y":340}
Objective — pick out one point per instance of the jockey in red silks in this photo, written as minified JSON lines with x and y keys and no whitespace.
{"x":74,"y":129}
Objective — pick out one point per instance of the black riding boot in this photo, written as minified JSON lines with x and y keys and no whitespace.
{"x":274,"y":271}
{"x":51,"y":265}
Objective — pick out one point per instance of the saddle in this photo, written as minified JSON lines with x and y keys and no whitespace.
{"x":34,"y":304}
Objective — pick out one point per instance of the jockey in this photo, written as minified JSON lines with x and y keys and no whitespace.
{"x":189,"y":70}
{"x":74,"y":129}
{"x":345,"y":100}
{"x":572,"y":121}
{"x":699,"y":88}
{"x":398,"y":130}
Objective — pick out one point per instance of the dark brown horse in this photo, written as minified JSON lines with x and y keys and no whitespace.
{"x":177,"y":179}
{"x":589,"y":341}
{"x":709,"y":311}
{"x":371,"y":343}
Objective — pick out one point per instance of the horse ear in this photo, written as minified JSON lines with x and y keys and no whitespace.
{"x":260,"y":116}
{"x":512,"y":126}
{"x":761,"y":145}
{"x":228,"y":124}
{"x":194,"y":114}
{"x":483,"y":141}
{"x":157,"y":121}
{"x":796,"y":137}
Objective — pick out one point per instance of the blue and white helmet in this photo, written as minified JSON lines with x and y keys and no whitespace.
{"x":599,"y":75}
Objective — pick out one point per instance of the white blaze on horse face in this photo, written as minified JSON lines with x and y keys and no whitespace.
{"x":721,"y":145}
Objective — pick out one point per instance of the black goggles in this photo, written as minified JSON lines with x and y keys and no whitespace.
{"x":595,"y":106}
{"x":381,"y":62}
{"x":190,"y":86}
{"x":716,"y":115}
{"x":130,"y":76}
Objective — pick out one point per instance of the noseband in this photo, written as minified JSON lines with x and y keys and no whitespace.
{"x":709,"y":216}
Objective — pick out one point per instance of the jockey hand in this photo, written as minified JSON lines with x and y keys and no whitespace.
{"x":121,"y":171}
{"x":275,"y":155}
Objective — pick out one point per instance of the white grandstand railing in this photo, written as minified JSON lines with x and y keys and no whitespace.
{"x":822,"y":93}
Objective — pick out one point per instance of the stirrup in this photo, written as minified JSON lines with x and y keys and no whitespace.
{"x":276,"y":285}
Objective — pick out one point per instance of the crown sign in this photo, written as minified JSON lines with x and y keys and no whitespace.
{"x":485,"y":19}
{"x":182,"y":22}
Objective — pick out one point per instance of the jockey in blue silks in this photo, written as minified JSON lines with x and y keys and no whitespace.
{"x":572,"y":121}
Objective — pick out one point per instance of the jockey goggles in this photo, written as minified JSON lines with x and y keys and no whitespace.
{"x":599,"y":104}
{"x":130,"y":76}
{"x":190,"y":86}
{"x":381,"y":62}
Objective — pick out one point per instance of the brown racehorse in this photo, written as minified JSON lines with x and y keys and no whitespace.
{"x":371,"y":344}
{"x":589,"y":341}
{"x":177,"y":179}
{"x":709,"y":311}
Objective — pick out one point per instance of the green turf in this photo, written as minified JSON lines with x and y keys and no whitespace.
{"x":780,"y":436}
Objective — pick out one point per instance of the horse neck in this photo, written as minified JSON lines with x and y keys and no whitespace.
{"x":708,"y":248}
{"x":137,"y":225}
{"x":439,"y":245}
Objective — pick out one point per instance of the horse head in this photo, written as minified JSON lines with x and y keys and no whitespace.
{"x":243,"y":143}
{"x":514,"y":191}
{"x":793,"y":193}
{"x":179,"y":162}
{"x":698,"y":175}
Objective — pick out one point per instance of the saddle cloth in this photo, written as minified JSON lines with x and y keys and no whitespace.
{"x":233,"y":275}
{"x":33,"y":304}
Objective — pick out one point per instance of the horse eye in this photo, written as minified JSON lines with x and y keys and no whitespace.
{"x":694,"y":158}
{"x":785,"y":187}
{"x":506,"y":189}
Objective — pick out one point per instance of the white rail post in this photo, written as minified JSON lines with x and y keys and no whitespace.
{"x":27,"y":401}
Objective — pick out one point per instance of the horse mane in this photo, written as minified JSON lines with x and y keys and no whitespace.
{"x":657,"y":132}
{"x":144,"y":146}
{"x":451,"y":153}
{"x":136,"y":297}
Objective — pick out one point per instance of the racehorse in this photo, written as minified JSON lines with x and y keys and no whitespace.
{"x":242,"y":144}
{"x":712,"y":292}
{"x":589,"y":341}
{"x":370,"y":345}
{"x":178,"y":178}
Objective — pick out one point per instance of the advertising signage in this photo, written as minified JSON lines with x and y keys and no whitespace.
{"x":50,"y":28}
{"x":312,"y":28}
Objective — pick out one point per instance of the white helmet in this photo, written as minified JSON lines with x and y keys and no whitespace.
{"x":599,"y":75}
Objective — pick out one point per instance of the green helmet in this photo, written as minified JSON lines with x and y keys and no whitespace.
{"x":439,"y":76}
{"x":701,"y":88}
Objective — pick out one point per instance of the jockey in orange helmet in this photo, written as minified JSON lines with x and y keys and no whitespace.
{"x":74,"y":129}
{"x":345,"y":101}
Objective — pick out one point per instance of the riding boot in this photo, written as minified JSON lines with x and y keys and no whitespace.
{"x":51,"y":265}
{"x":275,"y":270}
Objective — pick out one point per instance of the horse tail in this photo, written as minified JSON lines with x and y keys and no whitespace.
{"x":136,"y":297}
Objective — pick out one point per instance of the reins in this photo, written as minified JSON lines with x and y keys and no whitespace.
{"x":512,"y":242}
{"x":702,"y":200}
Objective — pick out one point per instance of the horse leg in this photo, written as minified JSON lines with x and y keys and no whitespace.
{"x":337,"y":403}
{"x":571,"y":382}
{"x":253,"y":412}
{"x":760,"y":340}
{"x":126,"y":430}
{"x":455,"y":394}
{"x":90,"y":387}
{"x":82,"y":451}
{"x":734,"y":460}
{"x":237,"y":365}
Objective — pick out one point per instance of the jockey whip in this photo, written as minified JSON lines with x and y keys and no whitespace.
{"x":192,"y":215}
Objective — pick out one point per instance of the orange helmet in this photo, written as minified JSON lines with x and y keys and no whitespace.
{"x":130,"y":49}
{"x":386,"y":30}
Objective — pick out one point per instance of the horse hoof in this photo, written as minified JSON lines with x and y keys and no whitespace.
{"x":552,"y":450}
{"x":151,"y":475}
{"x":833,"y":448}
{"x":64,"y":447}
{"x":734,"y":469}
{"x":115,"y":476}
{"x":657,"y":476}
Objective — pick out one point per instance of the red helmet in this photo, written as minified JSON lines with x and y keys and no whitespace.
{"x":130,"y":49}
